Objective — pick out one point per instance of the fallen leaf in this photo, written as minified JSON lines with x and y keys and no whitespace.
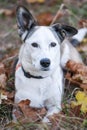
{"x":33,"y":114}
{"x":3,"y":79}
{"x":40,"y":1}
{"x":80,"y":96}
{"x":2,"y":96}
{"x":78,"y":68}
{"x":75,"y":110}
{"x":23,"y":103}
{"x":35,"y":1}
{"x":10,"y":95}
{"x":78,"y":73}
{"x":84,"y":108}
{"x":81,"y":99}
{"x":2,"y":68}
{"x":83,"y":23}
{"x":80,"y":78}
{"x":7,"y":12}
{"x":45,"y":18}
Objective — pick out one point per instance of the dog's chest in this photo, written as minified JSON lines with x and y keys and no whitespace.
{"x":37,"y":90}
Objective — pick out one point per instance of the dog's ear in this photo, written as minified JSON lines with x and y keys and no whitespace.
{"x":64,"y":30}
{"x":25,"y":20}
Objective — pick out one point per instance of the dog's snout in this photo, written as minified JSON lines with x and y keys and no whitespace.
{"x":45,"y":62}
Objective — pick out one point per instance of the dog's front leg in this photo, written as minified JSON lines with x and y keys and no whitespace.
{"x":53,"y":106}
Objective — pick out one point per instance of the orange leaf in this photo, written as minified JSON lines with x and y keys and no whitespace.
{"x":31,"y":113}
{"x":45,"y":18}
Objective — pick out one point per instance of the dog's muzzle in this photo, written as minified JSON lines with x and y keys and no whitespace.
{"x":45,"y":63}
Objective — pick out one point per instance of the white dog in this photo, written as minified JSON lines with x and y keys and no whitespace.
{"x":44,"y":52}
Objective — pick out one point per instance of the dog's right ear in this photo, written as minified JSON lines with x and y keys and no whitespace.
{"x":25,"y":20}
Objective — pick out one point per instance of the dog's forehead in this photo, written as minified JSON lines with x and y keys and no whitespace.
{"x":42,"y":33}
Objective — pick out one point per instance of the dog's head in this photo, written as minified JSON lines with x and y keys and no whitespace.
{"x":40,"y":53}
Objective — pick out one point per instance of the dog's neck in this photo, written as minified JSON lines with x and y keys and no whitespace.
{"x":28,"y":75}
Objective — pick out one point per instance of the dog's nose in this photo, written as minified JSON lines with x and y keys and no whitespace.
{"x":45,"y":62}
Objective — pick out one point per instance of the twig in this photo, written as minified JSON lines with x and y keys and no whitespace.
{"x":59,"y":11}
{"x":77,"y":118}
{"x":79,"y":84}
{"x":9,"y":59}
{"x":57,"y":14}
{"x":39,"y":116}
{"x":71,"y":13}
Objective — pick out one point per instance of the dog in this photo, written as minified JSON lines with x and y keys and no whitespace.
{"x":45,"y":51}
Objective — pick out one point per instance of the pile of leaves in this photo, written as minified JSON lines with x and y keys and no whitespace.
{"x":79,"y":75}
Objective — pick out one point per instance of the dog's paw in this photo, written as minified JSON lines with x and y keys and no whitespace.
{"x":46,"y":120}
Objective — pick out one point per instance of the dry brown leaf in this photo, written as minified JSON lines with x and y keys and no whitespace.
{"x":77,"y":68}
{"x":83,"y":23}
{"x":24,"y":102}
{"x":80,"y":78}
{"x":77,"y":73}
{"x":10,"y":95}
{"x":3,"y":79}
{"x":2,"y":68}
{"x":45,"y":18}
{"x":33,"y":114}
{"x":7,"y":12}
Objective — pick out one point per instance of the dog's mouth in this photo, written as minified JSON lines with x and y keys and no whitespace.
{"x":45,"y":69}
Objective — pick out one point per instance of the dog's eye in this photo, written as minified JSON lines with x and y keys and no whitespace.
{"x":34,"y":44}
{"x":53,"y":44}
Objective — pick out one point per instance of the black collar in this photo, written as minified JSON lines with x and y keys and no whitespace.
{"x":28,"y":75}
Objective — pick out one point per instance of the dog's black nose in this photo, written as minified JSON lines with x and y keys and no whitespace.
{"x":45,"y":62}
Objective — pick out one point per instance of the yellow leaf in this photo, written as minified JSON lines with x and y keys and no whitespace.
{"x":41,"y":1}
{"x":84,"y":40}
{"x":34,"y":1}
{"x":81,"y":100}
{"x":73,"y":104}
{"x":80,"y":96}
{"x":84,"y":108}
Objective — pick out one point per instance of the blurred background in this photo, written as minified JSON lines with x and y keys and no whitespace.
{"x":73,"y":12}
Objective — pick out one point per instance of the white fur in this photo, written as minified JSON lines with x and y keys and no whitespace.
{"x":69,"y":53}
{"x":81,"y":34}
{"x":46,"y":92}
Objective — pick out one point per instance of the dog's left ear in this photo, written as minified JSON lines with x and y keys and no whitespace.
{"x":64,"y":30}
{"x":25,"y":20}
